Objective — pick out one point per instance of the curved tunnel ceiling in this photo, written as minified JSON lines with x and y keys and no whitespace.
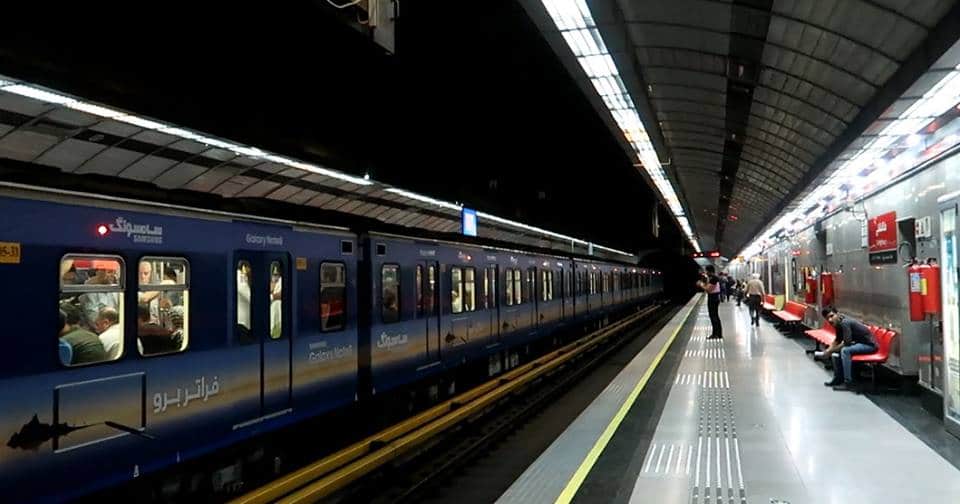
{"x":754,"y":98}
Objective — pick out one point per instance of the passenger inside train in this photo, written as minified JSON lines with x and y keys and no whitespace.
{"x":84,"y":346}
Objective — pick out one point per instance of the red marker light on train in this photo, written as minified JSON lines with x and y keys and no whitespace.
{"x":103,"y":230}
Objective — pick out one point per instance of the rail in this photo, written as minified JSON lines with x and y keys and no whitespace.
{"x":334,"y":472}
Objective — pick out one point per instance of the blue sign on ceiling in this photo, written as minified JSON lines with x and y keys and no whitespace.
{"x":469,"y":222}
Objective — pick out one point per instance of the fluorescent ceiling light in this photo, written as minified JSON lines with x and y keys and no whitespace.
{"x":575,"y":23}
{"x":141,"y":122}
{"x":39,"y":94}
{"x":93,"y":109}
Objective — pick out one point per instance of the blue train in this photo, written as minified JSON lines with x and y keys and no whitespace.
{"x":139,"y":336}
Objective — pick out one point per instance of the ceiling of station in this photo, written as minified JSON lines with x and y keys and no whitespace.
{"x":754,"y":98}
{"x":44,"y":127}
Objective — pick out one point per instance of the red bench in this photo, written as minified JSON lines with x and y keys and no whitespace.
{"x":769,"y":302}
{"x":825,"y":335}
{"x":884,"y":338}
{"x":791,"y":312}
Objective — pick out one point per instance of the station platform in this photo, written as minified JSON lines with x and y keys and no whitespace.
{"x":743,"y":419}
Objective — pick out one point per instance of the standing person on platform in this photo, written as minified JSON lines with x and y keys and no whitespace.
{"x":711,"y":285}
{"x":755,"y":293}
{"x":722,"y":280}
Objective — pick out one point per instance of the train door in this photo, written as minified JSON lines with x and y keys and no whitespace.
{"x":268,"y":317}
{"x":951,"y":315}
{"x":429,"y":307}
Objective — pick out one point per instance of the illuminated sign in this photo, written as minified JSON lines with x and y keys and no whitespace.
{"x":710,"y":253}
{"x":469,"y":222}
{"x":882,"y":238}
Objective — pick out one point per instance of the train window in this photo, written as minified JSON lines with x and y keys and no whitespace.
{"x":333,"y":296}
{"x":469,"y":289}
{"x":490,"y":288}
{"x":546,"y":287}
{"x":276,"y":300}
{"x":485,"y":295}
{"x":509,"y":286}
{"x":543,"y":285}
{"x":244,"y":282}
{"x":456,"y":290}
{"x":419,"y":288}
{"x":162,"y":305}
{"x":530,"y":287}
{"x":430,"y":291}
{"x":91,"y":309}
{"x":518,"y":286}
{"x":390,"y":293}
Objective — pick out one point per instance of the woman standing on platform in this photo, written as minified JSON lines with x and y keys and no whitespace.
{"x":755,"y":294}
{"x":711,"y":285}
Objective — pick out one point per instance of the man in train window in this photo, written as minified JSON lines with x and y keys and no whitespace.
{"x":85,"y":346}
{"x":93,"y":303}
{"x":152,"y":337}
{"x":853,"y":338}
{"x":111,"y":335}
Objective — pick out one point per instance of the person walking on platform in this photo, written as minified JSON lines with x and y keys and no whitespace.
{"x":853,"y":338}
{"x":755,"y":293}
{"x":711,"y":285}
{"x":722,"y":279}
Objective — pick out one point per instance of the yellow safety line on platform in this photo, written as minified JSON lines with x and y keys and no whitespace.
{"x":580,"y":475}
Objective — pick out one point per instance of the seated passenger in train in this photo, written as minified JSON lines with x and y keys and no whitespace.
{"x":152,"y":337}
{"x":244,"y":333}
{"x":85,"y":346}
{"x":853,"y":338}
{"x":111,"y":334}
{"x":149,"y":298}
{"x":93,"y":302}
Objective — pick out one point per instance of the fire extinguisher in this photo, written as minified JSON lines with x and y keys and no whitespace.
{"x":916,"y":292}
{"x":930,"y":276}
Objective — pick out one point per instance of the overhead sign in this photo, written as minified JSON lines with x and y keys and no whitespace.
{"x":882,"y":232}
{"x":710,"y":254}
{"x":882,"y":238}
{"x":469,"y":222}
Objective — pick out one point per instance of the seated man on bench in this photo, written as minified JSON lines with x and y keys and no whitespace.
{"x":853,"y":338}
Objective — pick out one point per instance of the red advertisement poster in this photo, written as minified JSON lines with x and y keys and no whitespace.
{"x":882,"y":231}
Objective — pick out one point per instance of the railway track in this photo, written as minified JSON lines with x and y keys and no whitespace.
{"x":440,"y":438}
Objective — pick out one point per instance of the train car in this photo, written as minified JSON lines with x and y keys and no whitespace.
{"x":140,"y":336}
{"x":200,"y":310}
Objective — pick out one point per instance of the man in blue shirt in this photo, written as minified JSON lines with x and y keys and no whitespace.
{"x":853,"y":338}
